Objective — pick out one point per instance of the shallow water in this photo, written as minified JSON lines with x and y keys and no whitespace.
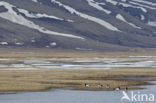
{"x":73,"y":96}
{"x":78,"y":63}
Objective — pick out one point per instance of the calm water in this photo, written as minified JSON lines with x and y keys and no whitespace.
{"x":76,"y":63}
{"x":73,"y":96}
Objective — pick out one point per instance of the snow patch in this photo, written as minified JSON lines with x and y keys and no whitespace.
{"x":91,"y":18}
{"x":141,"y":5}
{"x":33,"y":41}
{"x":97,"y":6}
{"x":152,"y":23}
{"x":128,"y":5}
{"x":47,"y":46}
{"x":68,"y":20}
{"x":145,"y":2}
{"x":35,"y":1}
{"x":123,"y":0}
{"x":112,"y":2}
{"x":19,"y":44}
{"x":142,"y":17}
{"x":4,"y":43}
{"x":12,"y":16}
{"x":120,"y":17}
{"x":53,"y":44}
{"x":38,"y":15}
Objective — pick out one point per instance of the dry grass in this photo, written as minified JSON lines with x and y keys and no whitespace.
{"x":38,"y":80}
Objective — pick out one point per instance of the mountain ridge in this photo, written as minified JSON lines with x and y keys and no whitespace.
{"x":78,"y":24}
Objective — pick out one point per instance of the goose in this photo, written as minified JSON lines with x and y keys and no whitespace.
{"x":118,"y":88}
{"x":100,"y":85}
{"x":126,"y":88}
{"x":107,"y":86}
{"x":87,"y":85}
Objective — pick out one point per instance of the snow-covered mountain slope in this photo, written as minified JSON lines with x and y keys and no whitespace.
{"x":83,"y":24}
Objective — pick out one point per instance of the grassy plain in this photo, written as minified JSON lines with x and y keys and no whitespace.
{"x":40,"y":80}
{"x":44,"y":79}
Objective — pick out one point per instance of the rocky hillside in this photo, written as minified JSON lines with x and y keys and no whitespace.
{"x":78,"y":24}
